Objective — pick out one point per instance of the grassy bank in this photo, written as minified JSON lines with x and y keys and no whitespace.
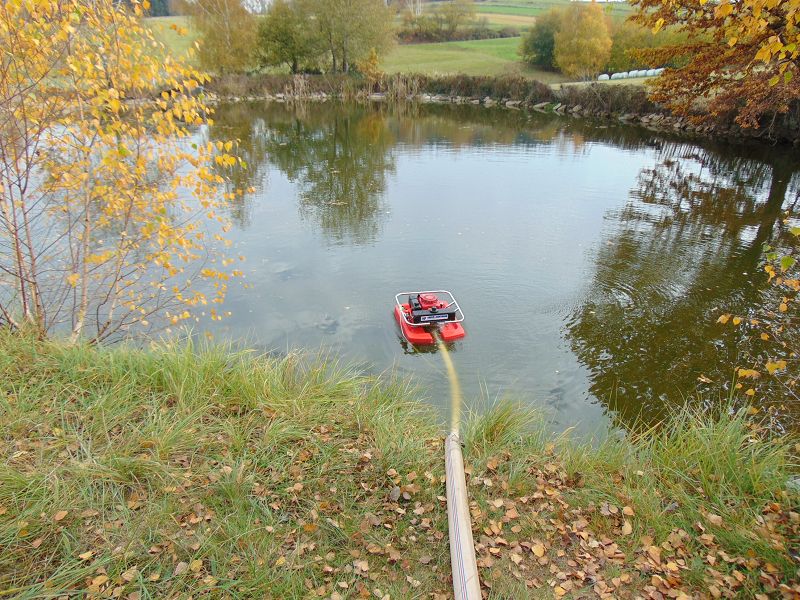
{"x":172,"y":473}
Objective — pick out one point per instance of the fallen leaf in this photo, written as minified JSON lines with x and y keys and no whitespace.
{"x":778,"y":365}
{"x":749,"y":373}
{"x":655,"y":554}
{"x":180,"y":568}
{"x":59,"y":516}
{"x":627,"y":528}
{"x":538,"y":549}
{"x":361,"y":565}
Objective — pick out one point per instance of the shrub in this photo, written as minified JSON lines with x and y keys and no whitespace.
{"x":512,"y":87}
{"x":609,"y":98}
{"x":538,"y":46}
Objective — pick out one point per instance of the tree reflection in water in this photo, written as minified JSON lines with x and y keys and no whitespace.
{"x":340,"y":158}
{"x":687,"y":244}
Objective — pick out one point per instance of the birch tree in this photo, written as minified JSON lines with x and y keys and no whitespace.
{"x":109,"y":200}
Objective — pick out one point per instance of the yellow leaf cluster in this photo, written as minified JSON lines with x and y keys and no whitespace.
{"x":132,"y":189}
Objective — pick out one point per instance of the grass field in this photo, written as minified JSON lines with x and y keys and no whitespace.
{"x":532,"y":8}
{"x":175,"y":33}
{"x":478,"y":57}
{"x":507,"y":20}
{"x":188,"y":473}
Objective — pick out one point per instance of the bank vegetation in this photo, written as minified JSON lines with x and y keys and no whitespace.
{"x":182,"y":471}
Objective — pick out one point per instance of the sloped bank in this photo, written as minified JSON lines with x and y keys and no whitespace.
{"x":625,"y":103}
{"x":185,"y":472}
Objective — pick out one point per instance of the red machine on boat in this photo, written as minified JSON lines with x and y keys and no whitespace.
{"x":419,"y":313}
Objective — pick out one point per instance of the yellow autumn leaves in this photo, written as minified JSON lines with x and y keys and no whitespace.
{"x":749,"y":18}
{"x":771,"y":366}
{"x":128,"y":188}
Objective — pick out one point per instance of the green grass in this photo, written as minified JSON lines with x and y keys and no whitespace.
{"x":523,"y":11}
{"x":176,"y":33}
{"x":533,"y":8}
{"x":506,"y":19}
{"x":181,"y":471}
{"x":478,"y":57}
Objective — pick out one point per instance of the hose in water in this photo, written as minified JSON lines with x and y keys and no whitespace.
{"x":466,"y":585}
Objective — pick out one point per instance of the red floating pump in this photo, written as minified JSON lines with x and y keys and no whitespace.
{"x":419,"y":313}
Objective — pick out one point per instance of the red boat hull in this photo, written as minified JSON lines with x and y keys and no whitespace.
{"x":420,"y":336}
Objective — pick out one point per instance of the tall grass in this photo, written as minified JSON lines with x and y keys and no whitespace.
{"x":186,"y":470}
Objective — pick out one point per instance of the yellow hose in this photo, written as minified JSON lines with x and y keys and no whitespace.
{"x":455,"y":386}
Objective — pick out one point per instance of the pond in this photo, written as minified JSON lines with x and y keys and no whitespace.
{"x":591,"y":260}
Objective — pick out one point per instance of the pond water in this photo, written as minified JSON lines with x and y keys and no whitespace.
{"x":591,"y":260}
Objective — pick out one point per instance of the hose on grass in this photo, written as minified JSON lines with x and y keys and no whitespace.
{"x":466,"y":585}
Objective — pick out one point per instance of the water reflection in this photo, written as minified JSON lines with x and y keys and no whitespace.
{"x":340,"y":158}
{"x":237,"y":121}
{"x":687,"y":245}
{"x":593,"y":259}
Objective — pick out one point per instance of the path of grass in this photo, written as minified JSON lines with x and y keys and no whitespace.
{"x":174,"y":473}
{"x":478,"y":57}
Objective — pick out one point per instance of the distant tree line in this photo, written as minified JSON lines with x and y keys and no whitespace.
{"x":447,"y":22}
{"x":158,"y":8}
{"x":581,"y":41}
{"x":304,"y":35}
